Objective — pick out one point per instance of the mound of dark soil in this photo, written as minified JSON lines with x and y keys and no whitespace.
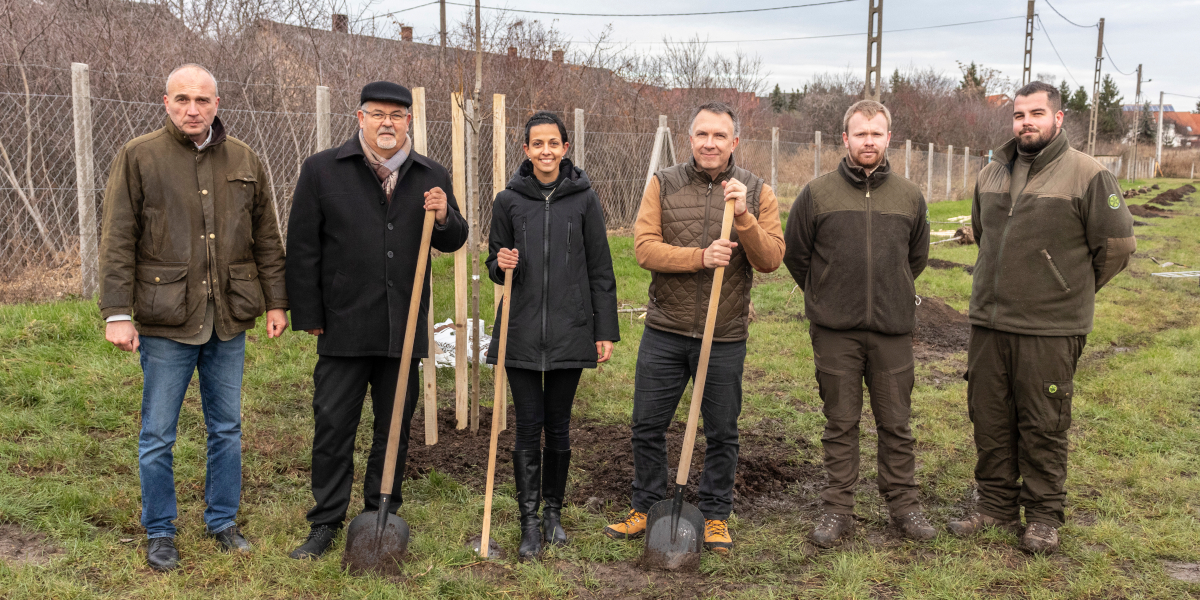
{"x":937,"y":263}
{"x":941,"y":331}
{"x":602,"y":461}
{"x":1149,"y":212}
{"x":1170,"y":197}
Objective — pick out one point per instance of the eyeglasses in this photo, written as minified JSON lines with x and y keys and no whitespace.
{"x":379,"y":117}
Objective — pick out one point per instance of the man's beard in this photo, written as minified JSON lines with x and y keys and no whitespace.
{"x":388,"y":143}
{"x":879,"y":154}
{"x":1037,"y":144}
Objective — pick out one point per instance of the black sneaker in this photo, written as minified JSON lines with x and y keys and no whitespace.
{"x":320,"y":537}
{"x":232,"y":539}
{"x":162,"y":555}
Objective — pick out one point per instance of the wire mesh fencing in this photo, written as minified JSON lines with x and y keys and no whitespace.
{"x":40,"y":223}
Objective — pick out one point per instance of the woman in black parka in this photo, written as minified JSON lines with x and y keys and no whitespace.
{"x":547,"y":225}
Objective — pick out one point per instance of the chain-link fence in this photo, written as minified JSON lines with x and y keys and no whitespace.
{"x":40,"y":222}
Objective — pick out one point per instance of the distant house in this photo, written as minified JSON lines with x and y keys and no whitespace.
{"x":1185,"y":128}
{"x":999,"y":100}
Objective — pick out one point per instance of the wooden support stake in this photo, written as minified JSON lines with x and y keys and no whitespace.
{"x":472,"y":140}
{"x":459,"y":166}
{"x":421,"y":146}
{"x":499,"y":173}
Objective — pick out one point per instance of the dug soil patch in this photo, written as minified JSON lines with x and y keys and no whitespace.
{"x":19,"y":546}
{"x":937,"y":263}
{"x":1149,"y":212}
{"x":941,"y":331}
{"x":769,"y":463}
{"x":1170,"y":197}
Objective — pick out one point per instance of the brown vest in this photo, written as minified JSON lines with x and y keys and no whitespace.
{"x":693,"y":205}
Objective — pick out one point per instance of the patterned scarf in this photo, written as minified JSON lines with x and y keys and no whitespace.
{"x":386,"y":168}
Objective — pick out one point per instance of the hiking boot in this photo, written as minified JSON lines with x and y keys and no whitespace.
{"x":162,"y":555}
{"x":1040,"y":538}
{"x":633,"y":526}
{"x":554,"y":488}
{"x":231,"y":539}
{"x":716,"y":536}
{"x":974,"y":522}
{"x":915,"y":526}
{"x":527,"y":473}
{"x":830,"y":529}
{"x":320,"y":538}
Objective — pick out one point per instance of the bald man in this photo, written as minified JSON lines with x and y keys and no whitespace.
{"x":190,"y":257}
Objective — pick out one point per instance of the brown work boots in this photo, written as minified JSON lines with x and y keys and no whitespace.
{"x":975,"y":522}
{"x":831,"y":529}
{"x":1039,"y":538}
{"x":915,"y":526}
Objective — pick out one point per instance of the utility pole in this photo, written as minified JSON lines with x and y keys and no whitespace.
{"x":1091,"y":147}
{"x":1137,"y":124}
{"x":874,"y":48}
{"x":443,"y":7}
{"x":1158,"y":153}
{"x":1025,"y":76}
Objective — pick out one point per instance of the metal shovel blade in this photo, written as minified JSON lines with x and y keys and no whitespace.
{"x":375,"y":544}
{"x":674,"y":535}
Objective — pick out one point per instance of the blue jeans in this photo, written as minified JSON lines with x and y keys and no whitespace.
{"x":167,"y":366}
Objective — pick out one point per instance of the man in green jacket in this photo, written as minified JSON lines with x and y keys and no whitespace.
{"x":190,"y":256}
{"x":857,"y":239}
{"x":1052,"y":230}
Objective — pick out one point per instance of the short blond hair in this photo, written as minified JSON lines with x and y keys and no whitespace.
{"x":868,"y":108}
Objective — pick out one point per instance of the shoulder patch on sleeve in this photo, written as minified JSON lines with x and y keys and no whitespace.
{"x":1114,"y":201}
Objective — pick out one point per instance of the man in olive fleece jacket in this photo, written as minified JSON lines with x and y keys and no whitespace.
{"x":1052,"y":230}
{"x":856,"y":240}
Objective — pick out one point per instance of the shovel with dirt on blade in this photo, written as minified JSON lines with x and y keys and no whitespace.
{"x":674,"y":528}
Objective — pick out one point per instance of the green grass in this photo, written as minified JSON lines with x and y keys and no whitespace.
{"x":69,"y":406}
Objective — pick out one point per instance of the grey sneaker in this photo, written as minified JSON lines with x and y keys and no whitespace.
{"x":1040,"y":538}
{"x":830,"y":529}
{"x":974,"y":522}
{"x":915,"y":526}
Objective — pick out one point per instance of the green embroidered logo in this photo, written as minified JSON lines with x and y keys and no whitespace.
{"x":1053,"y":388}
{"x":1114,"y":202}
{"x":927,"y":216}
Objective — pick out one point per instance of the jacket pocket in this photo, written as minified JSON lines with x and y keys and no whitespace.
{"x":1058,"y":404}
{"x":578,"y":312}
{"x":821,"y":280}
{"x":1062,"y":281}
{"x":570,"y":226}
{"x":241,"y":189}
{"x":243,"y":292}
{"x":160,"y":297}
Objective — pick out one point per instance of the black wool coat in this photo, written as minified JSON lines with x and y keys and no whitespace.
{"x":352,"y":254}
{"x":564,"y":292}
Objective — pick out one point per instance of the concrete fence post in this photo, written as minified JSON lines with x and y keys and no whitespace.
{"x":817,"y":155}
{"x":907,"y":156}
{"x":966,"y":166}
{"x":85,"y":181}
{"x":775,"y":159}
{"x":323,"y":137}
{"x":949,"y":168}
{"x":929,"y":175}
{"x":579,"y":139}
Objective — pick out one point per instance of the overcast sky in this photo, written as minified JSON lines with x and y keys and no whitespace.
{"x":1155,"y":33}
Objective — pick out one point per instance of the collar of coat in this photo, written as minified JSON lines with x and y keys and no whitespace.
{"x":571,"y":179}
{"x":353,"y":149}
{"x":857,"y":176}
{"x":218,"y":134}
{"x":1007,"y":154}
{"x":701,"y":176}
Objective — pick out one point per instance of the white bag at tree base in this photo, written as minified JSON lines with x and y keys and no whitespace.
{"x":446,"y":343}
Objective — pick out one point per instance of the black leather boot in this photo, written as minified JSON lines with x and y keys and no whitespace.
{"x":527,"y":472}
{"x":554,"y":489}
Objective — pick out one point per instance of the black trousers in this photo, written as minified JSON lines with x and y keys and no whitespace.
{"x":666,"y":362}
{"x":341,"y":386}
{"x":1019,"y":390}
{"x":542,"y":402}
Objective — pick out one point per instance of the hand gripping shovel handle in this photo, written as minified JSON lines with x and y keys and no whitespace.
{"x":414,"y":306}
{"x":497,"y":414}
{"x":710,"y":323}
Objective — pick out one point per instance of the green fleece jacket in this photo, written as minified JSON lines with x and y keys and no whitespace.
{"x":1043,"y":256}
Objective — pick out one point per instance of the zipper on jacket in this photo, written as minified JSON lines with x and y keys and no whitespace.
{"x":545,"y":277}
{"x":569,"y":225}
{"x":870,"y":269}
{"x":1057,"y":274}
{"x":703,"y":244}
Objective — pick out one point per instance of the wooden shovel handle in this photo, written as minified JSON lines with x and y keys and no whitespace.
{"x":710,"y":323}
{"x":410,"y":331}
{"x":497,"y":415}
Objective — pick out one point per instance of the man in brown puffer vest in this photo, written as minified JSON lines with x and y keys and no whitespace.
{"x":857,"y":239}
{"x":677,"y":238}
{"x":1052,"y":230}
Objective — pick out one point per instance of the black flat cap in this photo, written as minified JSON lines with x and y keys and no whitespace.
{"x":386,"y":91}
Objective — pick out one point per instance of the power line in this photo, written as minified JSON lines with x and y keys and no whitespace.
{"x":1060,"y":59}
{"x":1114,"y":64}
{"x":1182,"y":95}
{"x":833,"y":35}
{"x":578,"y":14}
{"x":1064,"y":17}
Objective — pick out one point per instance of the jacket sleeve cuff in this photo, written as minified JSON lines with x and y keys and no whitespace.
{"x":745,"y":221}
{"x":698,"y":259}
{"x":115,"y":318}
{"x":113,"y":311}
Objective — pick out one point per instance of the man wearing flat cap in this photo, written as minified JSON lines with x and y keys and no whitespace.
{"x":353,"y":239}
